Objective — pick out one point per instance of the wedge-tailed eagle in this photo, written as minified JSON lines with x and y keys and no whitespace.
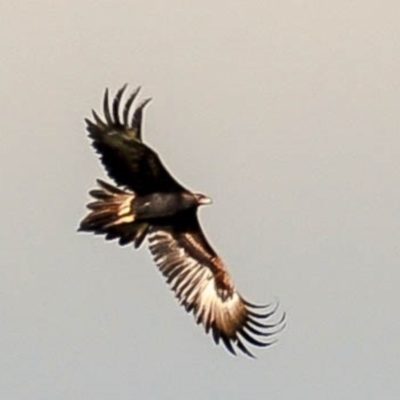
{"x":150,"y":204}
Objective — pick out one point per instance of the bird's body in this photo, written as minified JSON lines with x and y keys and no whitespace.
{"x":152,"y":204}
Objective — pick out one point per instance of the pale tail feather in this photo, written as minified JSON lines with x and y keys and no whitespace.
{"x":111,"y":214}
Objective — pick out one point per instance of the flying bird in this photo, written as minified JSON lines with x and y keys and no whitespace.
{"x":149,"y":203}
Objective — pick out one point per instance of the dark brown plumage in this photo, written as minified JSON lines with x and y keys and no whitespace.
{"x":153,"y":205}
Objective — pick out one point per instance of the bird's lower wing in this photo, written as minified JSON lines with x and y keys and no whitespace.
{"x":203,"y":286}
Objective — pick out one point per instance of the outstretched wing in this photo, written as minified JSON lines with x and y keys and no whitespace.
{"x":203,"y":286}
{"x":118,"y":140}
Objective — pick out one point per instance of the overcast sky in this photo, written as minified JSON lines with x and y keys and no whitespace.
{"x":286,"y":113}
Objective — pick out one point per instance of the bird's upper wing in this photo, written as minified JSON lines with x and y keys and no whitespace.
{"x":203,"y":286}
{"x":118,"y":140}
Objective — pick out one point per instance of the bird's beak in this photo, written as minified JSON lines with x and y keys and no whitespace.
{"x":204,"y":200}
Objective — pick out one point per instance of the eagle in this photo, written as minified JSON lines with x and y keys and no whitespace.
{"x":148,"y":203}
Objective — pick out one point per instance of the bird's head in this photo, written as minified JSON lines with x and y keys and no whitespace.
{"x":202,"y":200}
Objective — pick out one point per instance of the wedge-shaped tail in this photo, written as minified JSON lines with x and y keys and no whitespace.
{"x":112,"y":215}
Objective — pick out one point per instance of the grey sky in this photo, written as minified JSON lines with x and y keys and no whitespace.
{"x":286,"y":113}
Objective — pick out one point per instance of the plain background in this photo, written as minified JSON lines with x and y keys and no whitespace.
{"x":286,"y":113}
